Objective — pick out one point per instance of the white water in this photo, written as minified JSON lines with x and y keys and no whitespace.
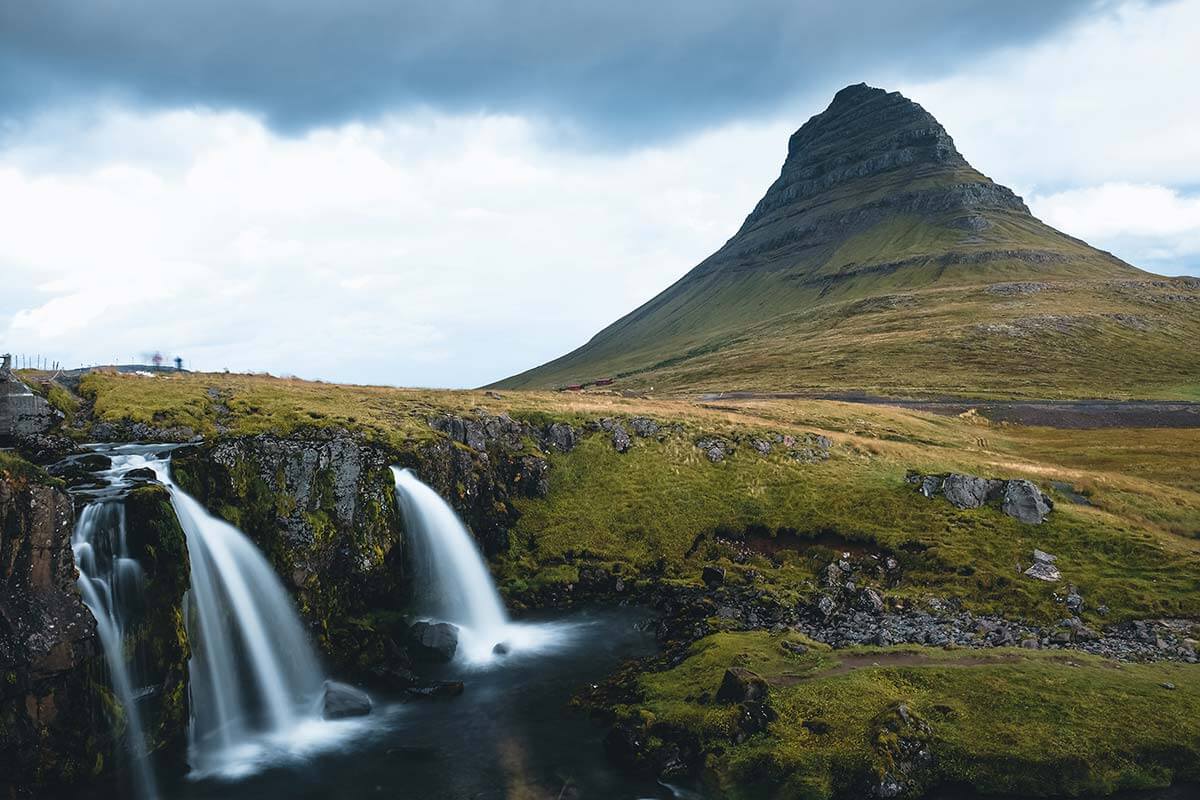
{"x":111,"y":584}
{"x":255,"y":681}
{"x":452,"y":581}
{"x":255,"y":684}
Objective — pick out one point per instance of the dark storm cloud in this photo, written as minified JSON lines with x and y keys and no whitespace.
{"x":611,"y":66}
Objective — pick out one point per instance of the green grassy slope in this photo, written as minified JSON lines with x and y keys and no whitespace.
{"x":894,"y":282}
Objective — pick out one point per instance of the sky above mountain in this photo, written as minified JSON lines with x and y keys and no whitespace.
{"x":447,"y":193}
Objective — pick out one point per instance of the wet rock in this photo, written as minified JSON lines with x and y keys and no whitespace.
{"x":501,"y":648}
{"x":434,"y":641}
{"x":141,"y":474}
{"x":740,"y":685}
{"x":437,"y":690}
{"x":343,"y":700}
{"x":1024,"y":501}
{"x":713,"y":576}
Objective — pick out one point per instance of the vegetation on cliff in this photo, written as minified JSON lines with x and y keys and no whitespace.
{"x":1004,"y":721}
{"x":881,"y":261}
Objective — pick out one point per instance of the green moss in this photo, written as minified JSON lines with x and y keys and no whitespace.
{"x":1004,"y":721}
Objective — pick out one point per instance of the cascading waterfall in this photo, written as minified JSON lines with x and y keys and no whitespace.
{"x":255,"y":683}
{"x":452,"y":581}
{"x":110,"y":582}
{"x":255,"y":679}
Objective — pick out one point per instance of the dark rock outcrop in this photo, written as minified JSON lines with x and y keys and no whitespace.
{"x":53,"y":732}
{"x":434,"y":641}
{"x":343,"y":700}
{"x":23,"y":414}
{"x":1024,"y":501}
{"x":740,"y":685}
{"x":1020,"y":499}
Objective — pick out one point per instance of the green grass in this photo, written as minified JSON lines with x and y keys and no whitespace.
{"x":1003,"y":721}
{"x":898,"y":306}
{"x":1135,"y":550}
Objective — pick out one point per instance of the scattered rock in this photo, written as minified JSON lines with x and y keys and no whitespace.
{"x":762,"y":446}
{"x":1168,"y":685}
{"x":968,"y":491}
{"x":620,"y":437}
{"x":343,"y":700}
{"x":1024,"y":501}
{"x":434,"y":641}
{"x":713,"y":576}
{"x":715,"y":448}
{"x":741,"y":685}
{"x":644,"y":427}
{"x":1043,"y":571}
{"x":870,"y":600}
{"x":795,"y":648}
{"x":438,"y":690}
{"x":561,"y":436}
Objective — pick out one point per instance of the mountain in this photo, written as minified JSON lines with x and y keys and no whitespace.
{"x":881,"y":261}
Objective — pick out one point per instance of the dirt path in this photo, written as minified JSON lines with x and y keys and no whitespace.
{"x":1049,"y":413}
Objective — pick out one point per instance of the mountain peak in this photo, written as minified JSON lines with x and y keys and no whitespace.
{"x":864,"y":132}
{"x":880,"y":259}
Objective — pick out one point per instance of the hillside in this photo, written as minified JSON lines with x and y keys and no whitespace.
{"x":881,"y":261}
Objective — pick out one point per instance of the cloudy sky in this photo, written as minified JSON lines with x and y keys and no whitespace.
{"x":446,"y":192}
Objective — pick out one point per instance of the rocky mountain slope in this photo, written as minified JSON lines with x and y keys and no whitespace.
{"x":880,"y":260}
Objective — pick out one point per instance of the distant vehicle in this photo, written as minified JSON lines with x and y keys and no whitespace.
{"x":604,"y":382}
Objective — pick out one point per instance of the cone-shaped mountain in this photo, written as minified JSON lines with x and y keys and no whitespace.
{"x":881,"y":261}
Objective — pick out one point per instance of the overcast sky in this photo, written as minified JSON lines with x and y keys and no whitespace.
{"x":445,"y":193}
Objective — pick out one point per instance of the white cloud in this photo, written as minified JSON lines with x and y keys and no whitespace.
{"x":424,"y":250}
{"x":1151,"y":226}
{"x":452,"y":250}
{"x":1113,"y":98}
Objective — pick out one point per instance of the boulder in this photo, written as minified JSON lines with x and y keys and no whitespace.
{"x":931,"y":485}
{"x":741,"y":685}
{"x":343,"y":700}
{"x":438,"y":690}
{"x":969,"y":491}
{"x":1043,"y":571}
{"x":1024,"y":501}
{"x":712,"y":576}
{"x":434,"y":641}
{"x":644,"y":426}
{"x":561,"y":436}
{"x":715,"y":448}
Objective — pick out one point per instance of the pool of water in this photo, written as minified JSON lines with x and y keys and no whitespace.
{"x":510,"y":735}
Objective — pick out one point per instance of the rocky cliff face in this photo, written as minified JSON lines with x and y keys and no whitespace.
{"x":321,"y":506}
{"x":52,"y":726}
{"x":23,"y":414}
{"x":60,"y":724}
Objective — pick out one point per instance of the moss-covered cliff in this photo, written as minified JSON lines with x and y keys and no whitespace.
{"x":53,"y":730}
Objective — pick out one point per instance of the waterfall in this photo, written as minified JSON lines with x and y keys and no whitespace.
{"x":255,"y":678}
{"x":452,"y":582}
{"x":110,"y":582}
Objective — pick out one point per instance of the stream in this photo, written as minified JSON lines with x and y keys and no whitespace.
{"x":510,"y":735}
